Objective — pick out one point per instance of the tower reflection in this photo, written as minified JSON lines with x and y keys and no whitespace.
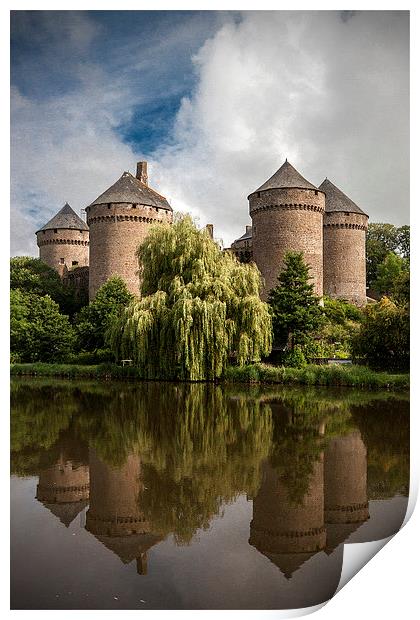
{"x":63,"y":487}
{"x":345,"y":483}
{"x":115,"y":517}
{"x":288,"y":533}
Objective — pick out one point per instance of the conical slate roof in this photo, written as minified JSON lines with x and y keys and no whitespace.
{"x":286,"y":176}
{"x":130,"y":189}
{"x":336,"y":200}
{"x":65,"y":218}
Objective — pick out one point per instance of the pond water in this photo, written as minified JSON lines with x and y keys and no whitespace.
{"x":175,"y":496}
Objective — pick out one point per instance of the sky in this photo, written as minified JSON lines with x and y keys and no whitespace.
{"x":214,"y":101}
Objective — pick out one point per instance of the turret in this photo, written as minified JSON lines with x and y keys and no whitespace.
{"x":345,"y":226}
{"x":287,"y":215}
{"x":64,"y":241}
{"x":119,"y":221}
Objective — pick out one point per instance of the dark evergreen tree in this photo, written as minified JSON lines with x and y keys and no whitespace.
{"x":294,"y":306}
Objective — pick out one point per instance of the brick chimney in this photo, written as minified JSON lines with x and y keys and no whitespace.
{"x":209,"y":228}
{"x":141,"y":174}
{"x":248,"y":230}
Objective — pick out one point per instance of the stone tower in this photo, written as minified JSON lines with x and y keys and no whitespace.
{"x":64,"y":241}
{"x":345,"y":226}
{"x":115,"y":516}
{"x":286,"y":532}
{"x":345,"y":484}
{"x":119,"y":220}
{"x":287,"y":215}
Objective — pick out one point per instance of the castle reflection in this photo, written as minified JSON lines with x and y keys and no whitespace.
{"x":115,"y":516}
{"x":310,"y":465}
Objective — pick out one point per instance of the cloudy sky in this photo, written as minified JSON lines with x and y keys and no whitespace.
{"x":215,"y":101}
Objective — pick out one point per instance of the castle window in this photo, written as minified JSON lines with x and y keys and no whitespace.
{"x":258,"y":194}
{"x":109,"y":205}
{"x":61,"y":261}
{"x":316,"y":192}
{"x":133,"y":206}
{"x":55,"y":230}
{"x":347,"y":213}
{"x":74,"y":262}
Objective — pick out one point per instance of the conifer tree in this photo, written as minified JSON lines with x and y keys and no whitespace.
{"x":295,"y":308}
{"x":198,"y":306}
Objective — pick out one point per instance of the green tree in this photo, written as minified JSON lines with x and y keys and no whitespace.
{"x":294,"y":306}
{"x":381,"y":239}
{"x":32,"y":275}
{"x":383,"y":341}
{"x":198,"y":306}
{"x":94,"y":320}
{"x":393,"y":278}
{"x":38,"y":332}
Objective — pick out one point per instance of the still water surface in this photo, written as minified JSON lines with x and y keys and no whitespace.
{"x":173,"y":496}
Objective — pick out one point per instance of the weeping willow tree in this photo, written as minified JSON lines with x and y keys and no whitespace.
{"x":198,"y":306}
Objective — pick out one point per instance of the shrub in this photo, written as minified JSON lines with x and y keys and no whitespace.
{"x":383,"y":341}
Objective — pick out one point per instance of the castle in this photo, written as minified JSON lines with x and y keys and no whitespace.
{"x":287,"y":212}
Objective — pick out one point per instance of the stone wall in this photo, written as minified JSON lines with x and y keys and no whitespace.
{"x":287,"y":220}
{"x":63,"y":249}
{"x":116,"y":231}
{"x":345,"y":256}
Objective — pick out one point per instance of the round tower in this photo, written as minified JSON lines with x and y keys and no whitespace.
{"x":287,"y":215}
{"x":345,"y":226}
{"x":119,"y":220}
{"x":64,"y":241}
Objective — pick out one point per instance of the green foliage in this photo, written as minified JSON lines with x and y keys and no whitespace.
{"x":329,"y":375}
{"x":199,"y":305}
{"x":383,"y":341}
{"x":339,"y":311}
{"x":294,"y":306}
{"x":393,"y":278}
{"x":294,"y":358}
{"x":38,"y":332}
{"x":94,"y":320}
{"x":32,"y":275}
{"x":349,"y":375}
{"x":381,"y":239}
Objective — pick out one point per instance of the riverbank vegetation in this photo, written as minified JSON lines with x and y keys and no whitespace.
{"x":332,"y":375}
{"x":200,"y":317}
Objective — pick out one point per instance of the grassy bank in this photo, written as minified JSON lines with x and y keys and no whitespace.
{"x":334,"y":375}
{"x":349,"y":376}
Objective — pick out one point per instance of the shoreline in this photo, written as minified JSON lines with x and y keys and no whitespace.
{"x":252,"y":374}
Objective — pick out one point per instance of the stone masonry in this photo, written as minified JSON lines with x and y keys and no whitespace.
{"x":288,"y":214}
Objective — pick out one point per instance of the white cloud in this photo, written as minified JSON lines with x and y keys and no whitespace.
{"x":331,"y":95}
